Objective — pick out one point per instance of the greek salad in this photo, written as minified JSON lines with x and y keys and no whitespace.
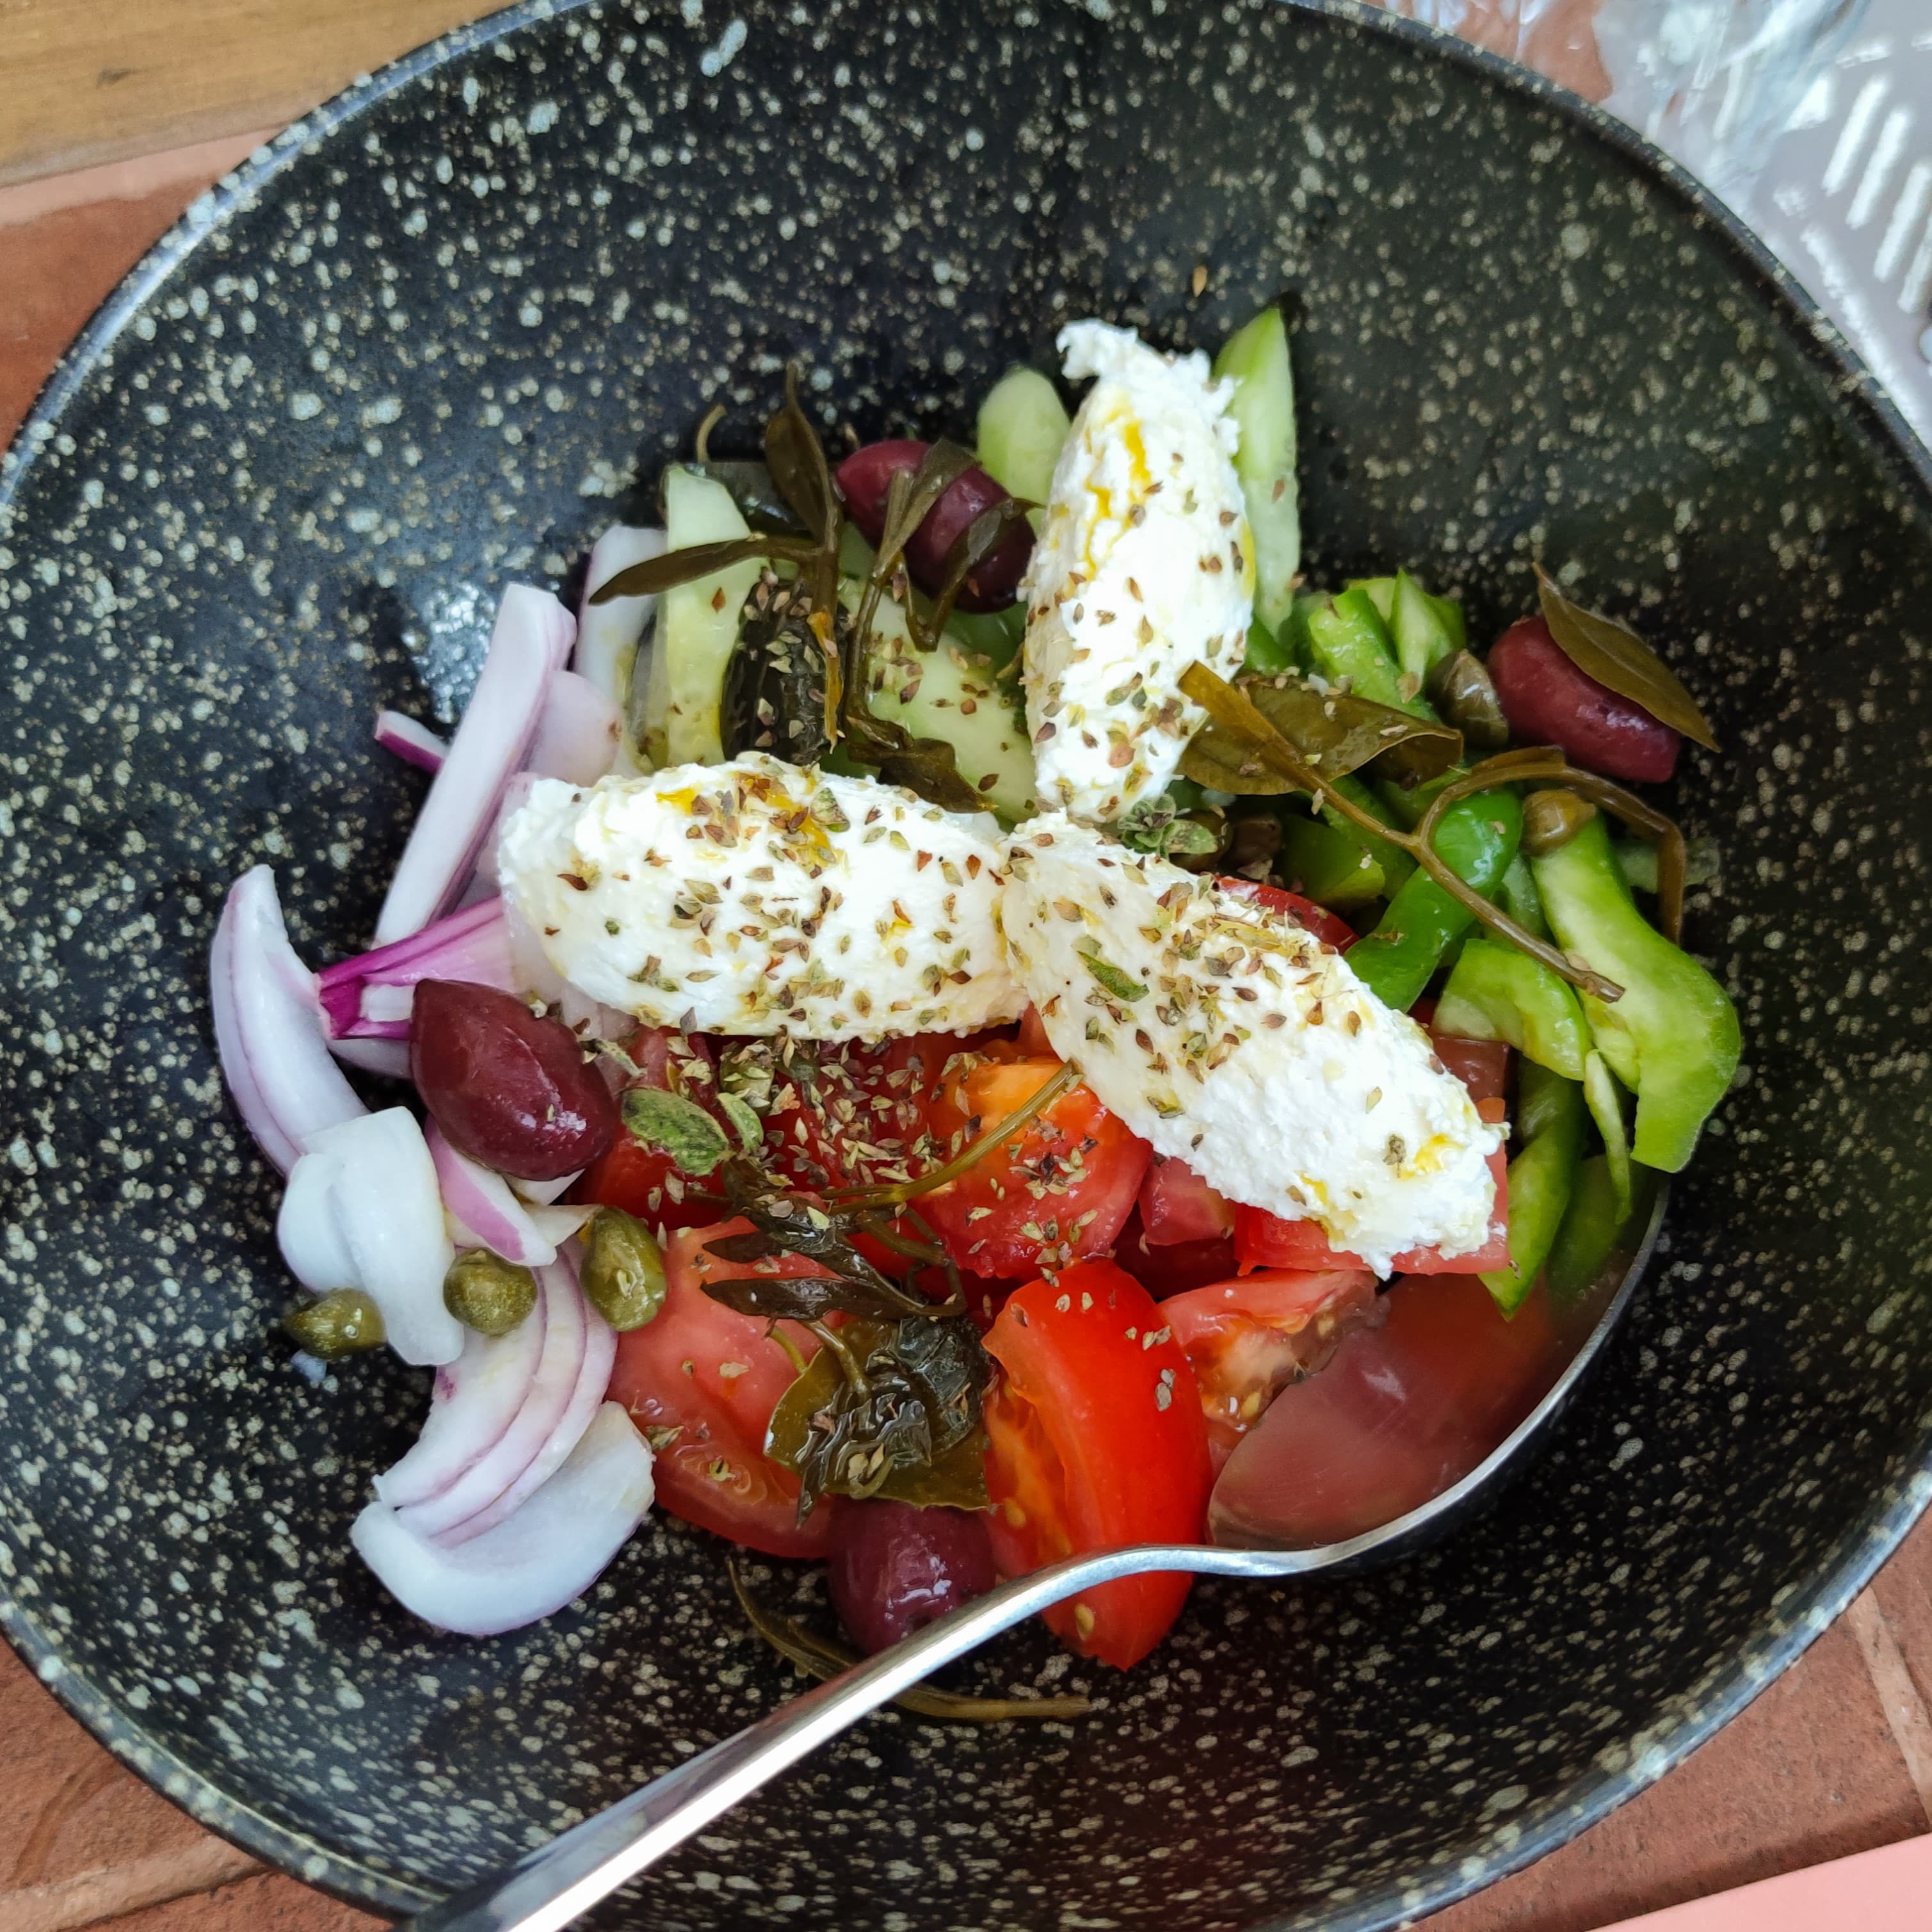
{"x":959,"y":1011}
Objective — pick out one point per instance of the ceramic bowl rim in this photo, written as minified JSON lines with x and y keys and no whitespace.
{"x":1806,"y":1615}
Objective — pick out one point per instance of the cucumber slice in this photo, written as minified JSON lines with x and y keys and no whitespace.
{"x":953,"y":696}
{"x":697,"y":625}
{"x":1256,"y":357}
{"x":1022,"y":425}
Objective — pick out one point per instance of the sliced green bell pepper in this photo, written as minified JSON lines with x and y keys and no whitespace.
{"x":1549,"y":1121}
{"x":1255,"y":358}
{"x":1334,"y":868}
{"x":1594,"y":1228}
{"x":1380,"y":591}
{"x":1477,"y":838}
{"x":1495,"y":992}
{"x":1423,"y":636}
{"x":1605,"y":1099}
{"x":1673,"y":1037}
{"x":1347,"y":639}
{"x":1517,"y":896}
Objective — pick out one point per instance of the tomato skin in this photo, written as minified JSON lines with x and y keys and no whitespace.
{"x":1096,"y":1439}
{"x":1174,"y":1269}
{"x":1091,"y":1162}
{"x":1177,"y":1205}
{"x":1326,"y":925}
{"x":1247,"y":1339}
{"x":715,"y":1472}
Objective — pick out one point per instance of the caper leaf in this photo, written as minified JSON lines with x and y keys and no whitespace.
{"x":744,"y":1121}
{"x":658,"y":574}
{"x":1336,"y":731}
{"x":1614,"y":655}
{"x":676,"y":1127}
{"x":796,"y":460}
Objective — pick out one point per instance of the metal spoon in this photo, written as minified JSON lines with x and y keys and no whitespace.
{"x":548,"y":1887}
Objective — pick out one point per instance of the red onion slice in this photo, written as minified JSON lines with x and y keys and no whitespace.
{"x":363,"y":1209}
{"x":487,"y":1213}
{"x":476,"y":1398}
{"x":389,"y":1057}
{"x":367,"y":997}
{"x":561,"y":1312}
{"x":268,"y":1028}
{"x":533,"y":1563}
{"x":542,"y":1193}
{"x":579,"y":733}
{"x":532,"y":639}
{"x":593,"y":1379}
{"x":414,"y":744}
{"x":607,"y":634}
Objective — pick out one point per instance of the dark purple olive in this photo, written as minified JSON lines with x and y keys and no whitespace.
{"x":867,"y":474}
{"x":895,"y":1568}
{"x":1549,"y":701}
{"x":507,"y":1088}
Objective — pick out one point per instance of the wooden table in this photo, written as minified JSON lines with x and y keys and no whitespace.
{"x":113,"y":116}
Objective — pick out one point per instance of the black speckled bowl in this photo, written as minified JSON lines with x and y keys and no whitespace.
{"x":428,"y":343}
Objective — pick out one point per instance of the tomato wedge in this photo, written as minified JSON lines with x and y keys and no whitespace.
{"x":1095,"y":1439}
{"x":1330,"y":930}
{"x":702,"y":1381}
{"x":1177,"y":1205}
{"x":1248,"y":1338}
{"x":1061,"y":1193}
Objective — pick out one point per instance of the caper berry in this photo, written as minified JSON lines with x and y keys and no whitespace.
{"x":1552,"y":818}
{"x":1459,"y":687}
{"x":486,"y":1293}
{"x":344,"y":1321}
{"x":623,"y":1273}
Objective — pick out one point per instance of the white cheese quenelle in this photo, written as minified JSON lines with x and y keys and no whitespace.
{"x":758,"y":897}
{"x":1144,"y":564}
{"x":1234,"y":1041}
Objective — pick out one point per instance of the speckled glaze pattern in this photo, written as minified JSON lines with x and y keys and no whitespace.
{"x":430,"y":342}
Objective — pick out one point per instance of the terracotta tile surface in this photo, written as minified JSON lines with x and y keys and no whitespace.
{"x":1814,"y":1770}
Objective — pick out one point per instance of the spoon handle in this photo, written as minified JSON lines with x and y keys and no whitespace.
{"x":548,"y":1887}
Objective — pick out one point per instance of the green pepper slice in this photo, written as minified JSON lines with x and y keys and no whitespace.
{"x":1347,"y":638}
{"x":1477,"y":837}
{"x":1332,"y":868}
{"x":1549,"y":1117}
{"x":1673,"y":1038}
{"x":1495,"y":992}
{"x":1595,"y":1228}
{"x":1423,"y":636}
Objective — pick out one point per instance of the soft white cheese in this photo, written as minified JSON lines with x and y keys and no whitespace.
{"x":1239,"y":1043}
{"x":1144,"y":564}
{"x":755,"y":897}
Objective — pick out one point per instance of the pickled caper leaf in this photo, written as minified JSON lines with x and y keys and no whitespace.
{"x":821,"y":1658}
{"x":887,"y":1409}
{"x":1614,"y":655}
{"x":657,"y":575}
{"x":796,"y":460}
{"x":675,"y":1126}
{"x":1336,"y":731}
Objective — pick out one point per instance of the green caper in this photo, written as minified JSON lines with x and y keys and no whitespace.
{"x":486,"y":1293}
{"x":1460,"y":689}
{"x":623,"y":1273}
{"x":342,"y":1322}
{"x":1552,"y":818}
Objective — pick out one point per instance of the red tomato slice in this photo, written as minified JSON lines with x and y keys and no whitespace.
{"x":714,"y":1376}
{"x":1318,"y":919}
{"x":1095,"y":1439}
{"x":1262,"y":1240}
{"x":1481,"y":1065}
{"x":1033,"y":1042}
{"x":1176,"y":1268}
{"x":1177,"y":1205}
{"x":1061,"y":1193}
{"x":1248,"y":1338}
{"x":641,"y":1180}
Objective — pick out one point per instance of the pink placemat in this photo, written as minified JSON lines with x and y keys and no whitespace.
{"x":1889,"y":1890}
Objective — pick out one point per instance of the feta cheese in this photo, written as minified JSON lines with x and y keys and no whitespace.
{"x":1143,"y":566}
{"x":1238,"y":1043}
{"x":755,"y":897}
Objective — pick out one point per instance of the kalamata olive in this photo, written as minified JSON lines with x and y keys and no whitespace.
{"x":486,"y":1293}
{"x":1551,"y":818}
{"x":895,"y":1568}
{"x":1549,"y":701}
{"x":344,"y":1321}
{"x":507,"y":1088}
{"x":623,"y":1271}
{"x":866,"y":475}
